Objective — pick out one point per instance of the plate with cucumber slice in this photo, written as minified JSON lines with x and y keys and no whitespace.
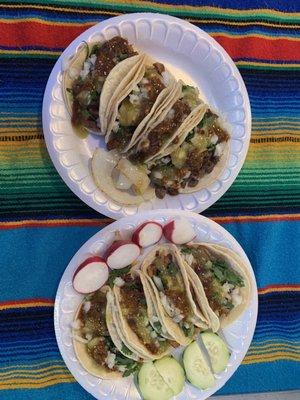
{"x":117,"y":327}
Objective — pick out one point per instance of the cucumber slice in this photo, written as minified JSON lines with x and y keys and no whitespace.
{"x":152,"y":385}
{"x":196,"y":367}
{"x":171,"y":372}
{"x":218,"y":352}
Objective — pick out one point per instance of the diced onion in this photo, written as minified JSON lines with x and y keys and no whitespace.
{"x":227,"y":287}
{"x":219,"y":150}
{"x":80,"y":339}
{"x":86,"y":306}
{"x":153,"y":334}
{"x":166,"y":304}
{"x":76,"y":325}
{"x":189,"y":258}
{"x":178,"y":318}
{"x":158,"y":283}
{"x":93,"y":59}
{"x":134,"y":99}
{"x":171,"y":114}
{"x":165,"y":160}
{"x":166,"y":77}
{"x":119,"y":281}
{"x":110,"y":360}
{"x":236,"y":299}
{"x":136,"y":175}
{"x":157,"y":175}
{"x":214,"y":138}
{"x":123,"y":182}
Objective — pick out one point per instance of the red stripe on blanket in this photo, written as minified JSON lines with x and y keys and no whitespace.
{"x":43,"y":34}
{"x":260,"y":48}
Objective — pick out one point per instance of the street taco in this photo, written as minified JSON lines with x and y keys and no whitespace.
{"x":136,"y":104}
{"x":168,"y":124}
{"x":86,"y":73}
{"x":220,"y":275}
{"x":169,"y":283}
{"x":194,"y":160}
{"x":132,"y":301}
{"x":95,"y":344}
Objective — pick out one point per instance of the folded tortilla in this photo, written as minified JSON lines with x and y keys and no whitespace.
{"x":81,"y":350}
{"x":136,"y":326}
{"x":79,"y":66}
{"x":175,"y":304}
{"x":162,"y":120}
{"x":220,"y":279}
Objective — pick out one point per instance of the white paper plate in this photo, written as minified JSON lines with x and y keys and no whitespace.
{"x":238,"y":335}
{"x":190,"y":54}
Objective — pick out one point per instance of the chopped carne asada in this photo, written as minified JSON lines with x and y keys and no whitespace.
{"x":134,"y":309}
{"x":92,"y":330}
{"x":193,"y":159}
{"x":167,"y":277}
{"x":86,"y":89}
{"x":135,"y":107}
{"x":221,"y":283}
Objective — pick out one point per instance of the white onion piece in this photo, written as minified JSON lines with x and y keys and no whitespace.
{"x":103,"y":163}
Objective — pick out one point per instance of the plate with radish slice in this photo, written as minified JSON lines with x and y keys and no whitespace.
{"x":125,"y":243}
{"x":91,"y":275}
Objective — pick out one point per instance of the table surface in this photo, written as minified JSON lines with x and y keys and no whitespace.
{"x":42,"y":224}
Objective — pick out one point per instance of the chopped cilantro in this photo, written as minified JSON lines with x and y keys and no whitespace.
{"x":229,"y":305}
{"x":122,"y":360}
{"x":208,"y":118}
{"x":188,"y":331}
{"x":172,"y":268}
{"x":211,"y":147}
{"x":122,"y":56}
{"x":186,"y":250}
{"x":126,"y":350}
{"x":157,"y":326}
{"x":190,"y":136}
{"x":132,"y":369}
{"x":95,"y":49}
{"x":224,"y":273}
{"x":130,"y":365}
{"x":94,"y":95}
{"x":117,"y":272}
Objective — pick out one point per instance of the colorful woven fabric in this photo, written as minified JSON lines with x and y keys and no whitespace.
{"x":42,"y":224}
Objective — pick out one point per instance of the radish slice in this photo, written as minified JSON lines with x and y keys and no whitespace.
{"x":147,"y":234}
{"x":91,"y":275}
{"x":179,"y":231}
{"x":121,"y":254}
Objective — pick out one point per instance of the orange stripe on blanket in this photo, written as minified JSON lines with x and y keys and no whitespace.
{"x":255,"y":218}
{"x":39,"y":302}
{"x":54,"y":223}
{"x":279,"y":288}
{"x":26,"y":303}
{"x":84,"y":222}
{"x":260,"y":48}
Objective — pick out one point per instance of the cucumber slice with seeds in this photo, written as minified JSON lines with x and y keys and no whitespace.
{"x":217,"y":350}
{"x":171,"y":372}
{"x":196,"y":367}
{"x":152,"y":385}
